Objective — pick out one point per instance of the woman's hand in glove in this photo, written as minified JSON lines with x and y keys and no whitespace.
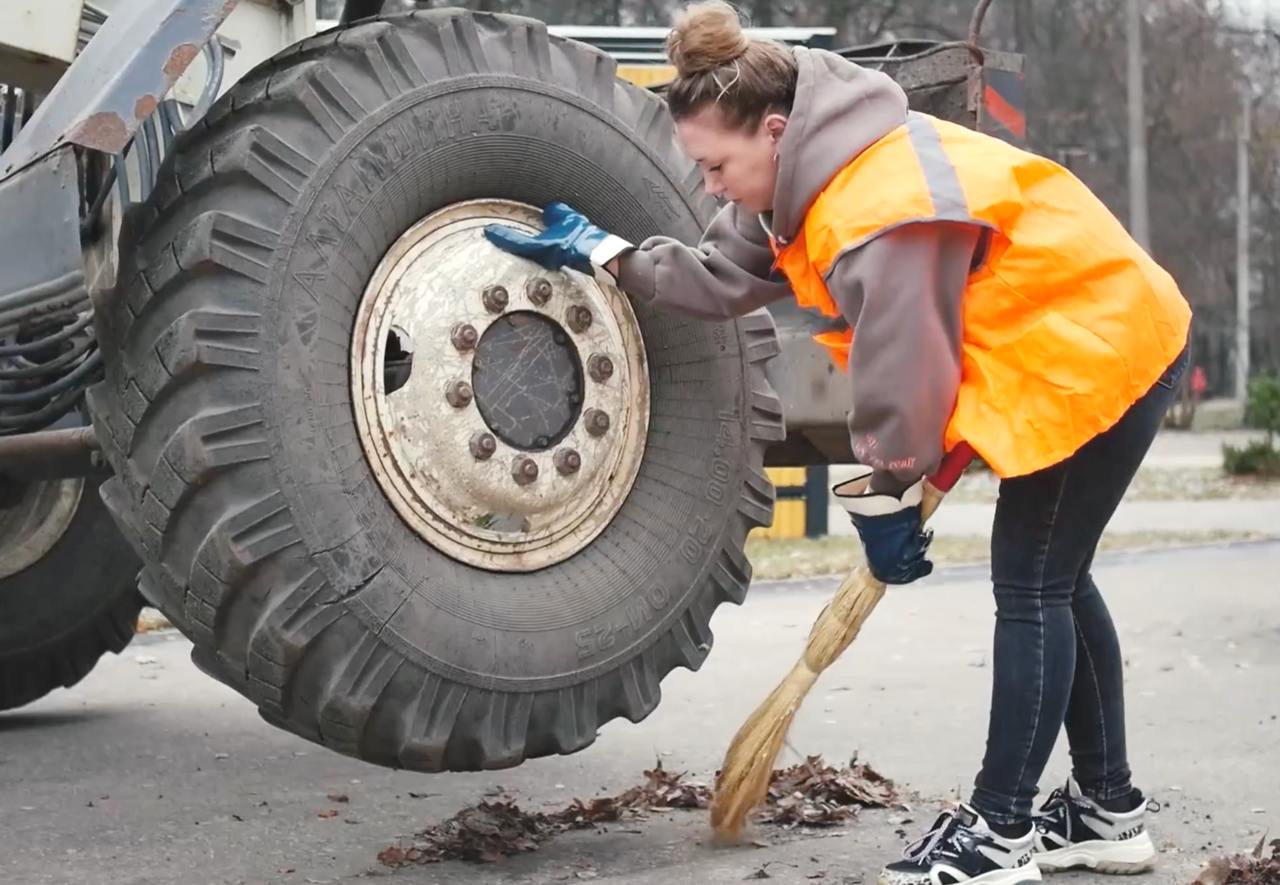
{"x":890,"y":527}
{"x":569,"y":240}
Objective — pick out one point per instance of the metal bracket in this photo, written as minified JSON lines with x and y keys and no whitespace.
{"x":40,"y":264}
{"x":119,"y":78}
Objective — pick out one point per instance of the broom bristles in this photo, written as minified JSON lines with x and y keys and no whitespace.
{"x":748,"y":766}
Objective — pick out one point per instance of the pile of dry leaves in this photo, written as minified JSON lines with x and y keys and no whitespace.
{"x":1260,"y":868}
{"x":809,"y":794}
{"x":814,"y":794}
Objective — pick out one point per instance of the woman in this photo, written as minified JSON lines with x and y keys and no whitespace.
{"x":995,"y":301}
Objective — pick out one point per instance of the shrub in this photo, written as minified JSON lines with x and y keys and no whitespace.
{"x":1262,"y":410}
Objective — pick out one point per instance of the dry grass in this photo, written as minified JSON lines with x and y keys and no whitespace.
{"x":811,"y":557}
{"x":1151,"y":484}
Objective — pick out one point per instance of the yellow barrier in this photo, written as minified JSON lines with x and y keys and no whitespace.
{"x":647,"y":75}
{"x":788,"y":512}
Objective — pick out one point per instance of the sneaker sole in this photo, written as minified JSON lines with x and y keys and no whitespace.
{"x":1127,"y":858}
{"x":1016,"y":876}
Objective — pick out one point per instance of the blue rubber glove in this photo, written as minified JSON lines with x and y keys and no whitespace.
{"x":570,"y":240}
{"x":891,"y":529}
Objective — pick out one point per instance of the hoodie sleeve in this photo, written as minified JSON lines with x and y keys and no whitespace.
{"x":728,"y":274}
{"x":902,"y":294}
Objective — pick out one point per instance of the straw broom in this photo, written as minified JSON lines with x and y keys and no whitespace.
{"x":744,"y":777}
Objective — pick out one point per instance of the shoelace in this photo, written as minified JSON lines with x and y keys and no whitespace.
{"x":1057,"y":807}
{"x":1057,"y":799}
{"x":943,"y":830}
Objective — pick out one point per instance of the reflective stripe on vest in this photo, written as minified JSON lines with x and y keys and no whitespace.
{"x":1066,"y":323}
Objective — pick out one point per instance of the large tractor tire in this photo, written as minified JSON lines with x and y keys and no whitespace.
{"x":417,"y":499}
{"x":68,"y":586}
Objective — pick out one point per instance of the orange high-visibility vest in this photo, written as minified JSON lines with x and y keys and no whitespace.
{"x":1067,"y":322}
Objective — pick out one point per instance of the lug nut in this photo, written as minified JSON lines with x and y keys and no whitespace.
{"x":600,"y":367}
{"x":568,"y":462}
{"x":524,"y":471}
{"x":495,"y":299}
{"x":578,"y":318}
{"x":459,"y":394}
{"x":464,"y":337}
{"x":597,"y":422}
{"x":483,"y":446}
{"x":538,"y":290}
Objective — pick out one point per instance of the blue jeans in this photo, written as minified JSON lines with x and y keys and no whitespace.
{"x":1057,"y":658}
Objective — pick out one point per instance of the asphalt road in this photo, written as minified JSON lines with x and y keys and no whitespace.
{"x":148,"y":772}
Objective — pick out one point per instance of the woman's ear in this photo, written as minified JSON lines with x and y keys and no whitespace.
{"x":775,"y":125}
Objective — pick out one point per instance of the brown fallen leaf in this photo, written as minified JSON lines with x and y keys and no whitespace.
{"x":392,"y":856}
{"x":338,"y":797}
{"x":327,"y":813}
{"x":485,"y":833}
{"x":1261,"y":867}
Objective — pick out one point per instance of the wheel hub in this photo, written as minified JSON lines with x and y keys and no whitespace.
{"x":503,"y":408}
{"x":527,"y":380}
{"x":33,"y":517}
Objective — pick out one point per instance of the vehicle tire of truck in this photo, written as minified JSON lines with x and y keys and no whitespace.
{"x":486,"y":570}
{"x":68,"y":587}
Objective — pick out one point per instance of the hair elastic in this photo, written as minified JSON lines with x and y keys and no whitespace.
{"x":725,"y":87}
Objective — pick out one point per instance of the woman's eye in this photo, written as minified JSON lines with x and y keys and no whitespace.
{"x":715,"y":168}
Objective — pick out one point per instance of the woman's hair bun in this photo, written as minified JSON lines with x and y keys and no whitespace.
{"x":706,"y":35}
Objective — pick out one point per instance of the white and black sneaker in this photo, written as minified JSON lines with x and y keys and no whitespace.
{"x":1073,"y":831}
{"x":960,"y":847}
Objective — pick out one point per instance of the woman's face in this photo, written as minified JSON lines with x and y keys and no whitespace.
{"x":737,"y":164}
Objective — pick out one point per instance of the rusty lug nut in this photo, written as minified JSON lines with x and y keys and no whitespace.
{"x":524,"y":471}
{"x":464,"y":336}
{"x":578,"y":318}
{"x":459,"y":394}
{"x":600,"y":367}
{"x":539,"y":291}
{"x":495,"y":299}
{"x":597,"y":422}
{"x":568,"y":462}
{"x":483,"y":446}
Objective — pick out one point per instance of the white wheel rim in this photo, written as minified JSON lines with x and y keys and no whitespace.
{"x":422,"y":439}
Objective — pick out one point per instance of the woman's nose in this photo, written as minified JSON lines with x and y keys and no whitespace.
{"x":713,"y":185}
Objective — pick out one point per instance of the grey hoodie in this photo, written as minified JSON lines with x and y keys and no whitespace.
{"x":901,"y":291}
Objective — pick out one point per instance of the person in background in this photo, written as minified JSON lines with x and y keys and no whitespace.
{"x":987,"y":297}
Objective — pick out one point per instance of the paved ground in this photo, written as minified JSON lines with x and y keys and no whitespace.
{"x":150,"y":773}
